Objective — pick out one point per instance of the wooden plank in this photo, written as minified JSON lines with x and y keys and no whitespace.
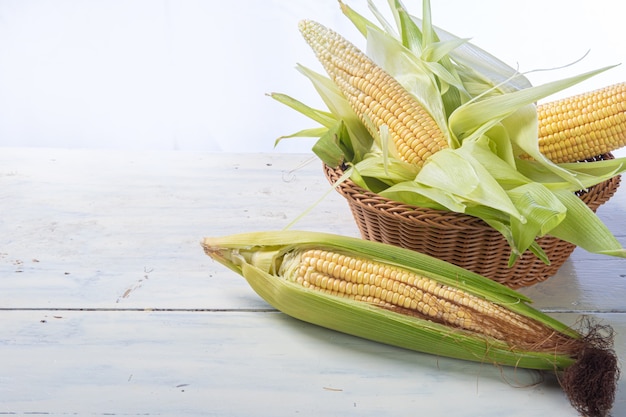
{"x":122,"y":229}
{"x":583,"y":285}
{"x":114,"y":229}
{"x":247,"y":363}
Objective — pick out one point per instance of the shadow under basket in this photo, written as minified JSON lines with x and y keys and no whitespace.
{"x":457,"y":238}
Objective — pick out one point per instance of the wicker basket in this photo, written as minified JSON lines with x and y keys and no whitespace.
{"x":458,"y":238}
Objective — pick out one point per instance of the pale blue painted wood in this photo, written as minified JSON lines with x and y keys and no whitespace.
{"x":109,"y":305}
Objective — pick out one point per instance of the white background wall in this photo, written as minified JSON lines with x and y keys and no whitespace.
{"x":192,"y":75}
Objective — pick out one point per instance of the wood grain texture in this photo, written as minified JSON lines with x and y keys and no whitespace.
{"x":243,"y":364}
{"x":110,"y":307}
{"x":115,"y":229}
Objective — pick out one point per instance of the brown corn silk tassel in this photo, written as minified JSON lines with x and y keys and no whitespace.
{"x":590,"y":383}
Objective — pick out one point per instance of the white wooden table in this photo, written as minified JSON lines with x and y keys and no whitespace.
{"x":108,"y":305}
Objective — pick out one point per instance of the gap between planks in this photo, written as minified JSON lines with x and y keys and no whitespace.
{"x":200,"y":310}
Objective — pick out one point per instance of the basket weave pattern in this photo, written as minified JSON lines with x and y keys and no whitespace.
{"x":460,"y":239}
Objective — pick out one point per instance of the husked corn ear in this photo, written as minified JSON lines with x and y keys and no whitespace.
{"x":583,"y":126}
{"x":405,"y":292}
{"x":376,"y":97}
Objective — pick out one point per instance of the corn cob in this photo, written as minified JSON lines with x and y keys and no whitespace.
{"x":407,"y":299}
{"x":403,"y":291}
{"x":583,"y":126}
{"x":375,"y":96}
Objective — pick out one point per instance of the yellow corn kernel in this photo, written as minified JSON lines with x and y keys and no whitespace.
{"x":375,"y":96}
{"x":400,"y":290}
{"x":583,"y":126}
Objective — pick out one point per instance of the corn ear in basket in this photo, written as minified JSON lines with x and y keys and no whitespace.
{"x":583,"y":126}
{"x":410,"y":300}
{"x":376,"y":97}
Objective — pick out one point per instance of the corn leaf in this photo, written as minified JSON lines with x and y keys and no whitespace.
{"x":359,"y":21}
{"x":315,"y":132}
{"x":428,"y":34}
{"x":324,"y":118}
{"x":584,"y":229}
{"x":420,"y":195}
{"x":394,"y":58}
{"x":587,"y":174}
{"x":381,"y":19}
{"x":459,"y":173}
{"x":410,"y":35}
{"x":373,"y":184}
{"x":522,"y":125}
{"x":476,"y":63}
{"x":360,"y":140}
{"x":329,"y":147}
{"x":441,"y":50}
{"x":475,"y":117}
{"x":432,"y":53}
{"x":392,"y":170}
{"x":542,"y":211}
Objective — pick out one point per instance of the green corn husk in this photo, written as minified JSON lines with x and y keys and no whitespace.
{"x":585,"y":363}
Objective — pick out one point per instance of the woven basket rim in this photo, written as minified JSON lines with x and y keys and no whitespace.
{"x":459,"y":238}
